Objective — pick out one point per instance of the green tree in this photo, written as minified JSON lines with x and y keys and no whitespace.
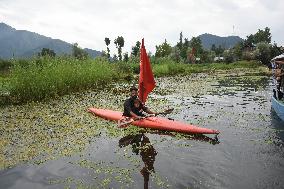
{"x":78,"y":52}
{"x":180,"y":43}
{"x":220,"y":50}
{"x":47,"y":52}
{"x":275,"y":50}
{"x":263,"y":52}
{"x":184,"y":49}
{"x":107,"y":41}
{"x":259,"y":36}
{"x":262,"y":36}
{"x":163,"y":50}
{"x":114,"y":58}
{"x":136,"y":49}
{"x":238,"y":50}
{"x":175,"y":54}
{"x":119,"y":43}
{"x":249,"y":41}
{"x":125,"y":57}
{"x":195,"y":43}
{"x":213,"y":48}
{"x":205,"y":57}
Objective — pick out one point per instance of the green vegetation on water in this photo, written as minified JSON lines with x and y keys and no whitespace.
{"x":35,"y":133}
{"x":48,"y":77}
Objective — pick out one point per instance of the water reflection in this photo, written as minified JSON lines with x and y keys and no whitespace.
{"x":198,"y":137}
{"x":141,"y":145}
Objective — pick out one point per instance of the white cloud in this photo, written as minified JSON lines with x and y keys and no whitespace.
{"x":89,"y":22}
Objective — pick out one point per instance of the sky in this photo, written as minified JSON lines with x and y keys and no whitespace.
{"x":88,"y":22}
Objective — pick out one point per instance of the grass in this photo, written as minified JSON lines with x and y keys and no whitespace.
{"x":41,"y":78}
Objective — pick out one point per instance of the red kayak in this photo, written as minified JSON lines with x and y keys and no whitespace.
{"x":158,"y":123}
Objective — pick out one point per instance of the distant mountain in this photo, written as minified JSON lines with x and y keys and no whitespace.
{"x":226,"y":42}
{"x":23,"y":44}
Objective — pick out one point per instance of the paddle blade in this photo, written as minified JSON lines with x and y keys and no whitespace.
{"x":168,"y":111}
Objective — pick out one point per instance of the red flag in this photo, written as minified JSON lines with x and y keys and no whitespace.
{"x":146,"y":79}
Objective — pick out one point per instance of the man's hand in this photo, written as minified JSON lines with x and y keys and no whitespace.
{"x":139,"y":117}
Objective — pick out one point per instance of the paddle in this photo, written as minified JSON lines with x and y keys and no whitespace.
{"x":168,"y":111}
{"x":122,"y":123}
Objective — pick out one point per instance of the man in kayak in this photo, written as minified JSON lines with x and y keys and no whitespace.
{"x":133,"y":107}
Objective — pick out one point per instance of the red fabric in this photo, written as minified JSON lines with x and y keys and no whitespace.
{"x":146,"y":79}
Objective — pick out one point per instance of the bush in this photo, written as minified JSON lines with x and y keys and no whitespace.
{"x":248,"y":55}
{"x":5,"y":65}
{"x":228,"y":56}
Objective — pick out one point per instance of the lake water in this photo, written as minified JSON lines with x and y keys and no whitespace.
{"x":57,"y":144}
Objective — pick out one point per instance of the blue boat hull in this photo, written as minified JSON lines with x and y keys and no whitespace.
{"x":278,"y":107}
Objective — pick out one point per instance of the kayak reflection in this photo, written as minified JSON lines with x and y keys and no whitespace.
{"x":199,"y":137}
{"x":141,"y":145}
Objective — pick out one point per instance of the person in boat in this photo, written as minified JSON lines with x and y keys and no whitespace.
{"x":133,"y":107}
{"x":279,"y":76}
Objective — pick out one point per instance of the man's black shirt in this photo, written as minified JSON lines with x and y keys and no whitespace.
{"x":129,"y":106}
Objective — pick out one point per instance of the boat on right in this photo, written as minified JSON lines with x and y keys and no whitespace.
{"x":277,"y":100}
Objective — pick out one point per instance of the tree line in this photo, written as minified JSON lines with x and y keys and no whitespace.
{"x":256,"y":46}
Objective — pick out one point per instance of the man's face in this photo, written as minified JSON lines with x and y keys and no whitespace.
{"x":134,"y":93}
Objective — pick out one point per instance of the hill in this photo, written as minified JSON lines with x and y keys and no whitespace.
{"x":23,"y":44}
{"x":226,"y":42}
